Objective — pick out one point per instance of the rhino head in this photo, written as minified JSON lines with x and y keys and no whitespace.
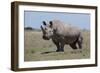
{"x":47,"y":30}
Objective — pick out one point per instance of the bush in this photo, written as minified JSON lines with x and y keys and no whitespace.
{"x":28,"y":28}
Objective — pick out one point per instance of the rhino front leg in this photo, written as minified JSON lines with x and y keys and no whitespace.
{"x":62,"y":47}
{"x":58,"y":48}
{"x":57,"y":44}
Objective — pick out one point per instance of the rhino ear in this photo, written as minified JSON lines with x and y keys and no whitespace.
{"x":51,"y":24}
{"x":44,"y":23}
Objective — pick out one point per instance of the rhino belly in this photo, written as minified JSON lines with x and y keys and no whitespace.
{"x":71,"y":39}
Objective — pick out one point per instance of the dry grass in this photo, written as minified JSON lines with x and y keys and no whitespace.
{"x":37,"y":49}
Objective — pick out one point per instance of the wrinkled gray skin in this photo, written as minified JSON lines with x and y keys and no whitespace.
{"x":62,"y":34}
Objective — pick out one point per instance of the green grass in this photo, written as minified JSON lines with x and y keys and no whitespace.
{"x":37,"y":49}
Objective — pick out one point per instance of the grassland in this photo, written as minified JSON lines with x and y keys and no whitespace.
{"x":37,"y":49}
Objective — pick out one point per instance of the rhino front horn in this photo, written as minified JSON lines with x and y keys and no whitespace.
{"x":44,"y":23}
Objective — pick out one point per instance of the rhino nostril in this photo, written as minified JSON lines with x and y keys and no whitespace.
{"x":43,"y":37}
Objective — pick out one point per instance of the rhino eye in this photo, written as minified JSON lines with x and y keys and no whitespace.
{"x":50,"y":31}
{"x":45,"y":28}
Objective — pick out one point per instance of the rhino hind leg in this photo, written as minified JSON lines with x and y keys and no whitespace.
{"x":80,"y":41}
{"x":73,"y":45}
{"x":80,"y":45}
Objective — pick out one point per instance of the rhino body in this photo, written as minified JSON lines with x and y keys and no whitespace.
{"x":62,"y":34}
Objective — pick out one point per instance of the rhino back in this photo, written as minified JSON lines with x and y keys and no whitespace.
{"x":65,"y":29}
{"x":66,"y":32}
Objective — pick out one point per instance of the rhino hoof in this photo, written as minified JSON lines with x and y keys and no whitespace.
{"x":59,"y":50}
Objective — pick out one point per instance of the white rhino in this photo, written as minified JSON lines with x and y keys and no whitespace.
{"x":62,"y":34}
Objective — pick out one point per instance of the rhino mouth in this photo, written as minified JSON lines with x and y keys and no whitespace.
{"x":46,"y":38}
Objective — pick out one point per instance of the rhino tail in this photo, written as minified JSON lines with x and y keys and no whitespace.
{"x":80,"y":41}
